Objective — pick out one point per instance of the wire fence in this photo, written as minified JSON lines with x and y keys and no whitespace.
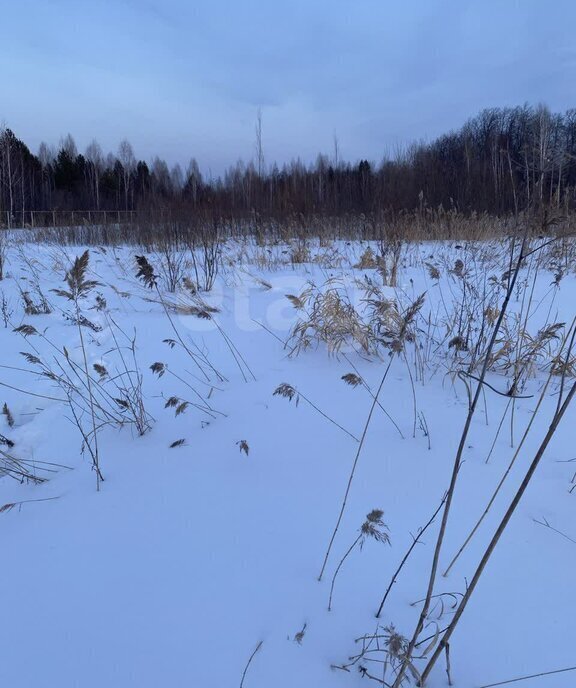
{"x":32,"y":219}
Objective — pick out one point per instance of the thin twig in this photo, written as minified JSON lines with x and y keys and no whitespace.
{"x":32,"y":394}
{"x":525,"y":678}
{"x":555,"y":422}
{"x":249,"y":662}
{"x":415,"y":541}
{"x":502,"y":394}
{"x":328,"y":417}
{"x":545,"y":523}
{"x":367,"y":387}
{"x":353,"y":470}
{"x":356,"y":541}
{"x":456,"y":465}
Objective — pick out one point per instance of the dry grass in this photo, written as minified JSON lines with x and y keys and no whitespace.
{"x":328,"y":317}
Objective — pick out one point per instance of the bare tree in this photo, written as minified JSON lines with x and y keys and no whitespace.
{"x":46,"y":156}
{"x":128,"y":160}
{"x":259,"y":147}
{"x":68,"y":145}
{"x":177,"y":179}
{"x":336,"y":151}
{"x":162,"y":184}
{"x":95,"y":158}
{"x":193,"y":180}
{"x":8,"y":167}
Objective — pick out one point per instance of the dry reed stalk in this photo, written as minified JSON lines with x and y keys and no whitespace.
{"x":396,"y":348}
{"x":556,"y":419}
{"x":458,"y":458}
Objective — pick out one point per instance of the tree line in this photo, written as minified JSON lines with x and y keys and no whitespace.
{"x":504,"y":160}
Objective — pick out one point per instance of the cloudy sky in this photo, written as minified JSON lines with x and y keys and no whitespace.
{"x":182,"y":78}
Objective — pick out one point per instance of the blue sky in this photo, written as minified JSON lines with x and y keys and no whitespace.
{"x":186,"y":78}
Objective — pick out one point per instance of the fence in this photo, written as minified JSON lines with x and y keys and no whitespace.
{"x":31,"y":219}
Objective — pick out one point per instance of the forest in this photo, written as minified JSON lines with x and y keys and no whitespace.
{"x":502,"y":161}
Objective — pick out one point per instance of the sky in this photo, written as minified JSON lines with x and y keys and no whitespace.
{"x":186,"y":78}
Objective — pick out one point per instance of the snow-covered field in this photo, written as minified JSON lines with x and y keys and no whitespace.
{"x":191,"y":557}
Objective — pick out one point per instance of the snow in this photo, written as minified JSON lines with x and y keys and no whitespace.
{"x":189,"y":557}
